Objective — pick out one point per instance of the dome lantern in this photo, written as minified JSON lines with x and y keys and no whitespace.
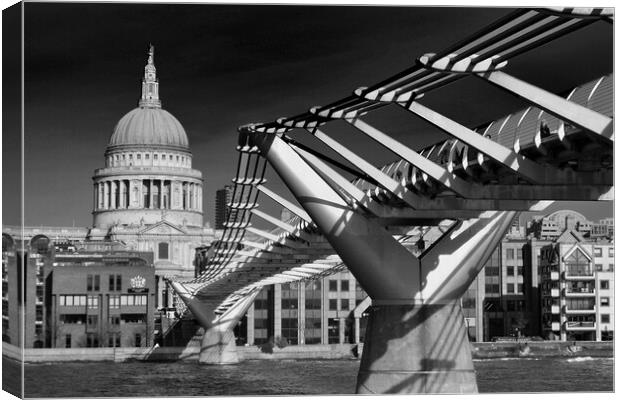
{"x":149,"y":126}
{"x":150,"y":84}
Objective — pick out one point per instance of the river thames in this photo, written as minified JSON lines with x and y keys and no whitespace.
{"x":290,"y":377}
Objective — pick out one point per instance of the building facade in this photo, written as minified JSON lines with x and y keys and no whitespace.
{"x":577,"y":289}
{"x":222,"y":198}
{"x":67,"y":296}
{"x":329,"y":310}
{"x":509,"y":299}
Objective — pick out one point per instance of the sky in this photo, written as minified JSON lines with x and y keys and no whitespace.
{"x":222,"y":66}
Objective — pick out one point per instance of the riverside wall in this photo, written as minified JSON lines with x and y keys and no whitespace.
{"x":334,"y":351}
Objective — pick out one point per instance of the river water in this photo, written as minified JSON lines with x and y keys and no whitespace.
{"x":284,"y":377}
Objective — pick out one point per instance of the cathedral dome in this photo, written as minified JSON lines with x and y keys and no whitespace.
{"x":149,"y":126}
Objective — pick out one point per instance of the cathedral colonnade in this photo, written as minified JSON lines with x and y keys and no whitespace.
{"x":151,"y":193}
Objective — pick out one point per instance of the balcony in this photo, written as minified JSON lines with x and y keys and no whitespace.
{"x":581,"y":311}
{"x":580,"y":325}
{"x":555,"y":292}
{"x":579,"y":274}
{"x":583,"y":292}
{"x":555,"y":309}
{"x":555,"y":276}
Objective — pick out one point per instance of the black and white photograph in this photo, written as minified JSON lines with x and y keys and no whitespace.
{"x":257,"y":199}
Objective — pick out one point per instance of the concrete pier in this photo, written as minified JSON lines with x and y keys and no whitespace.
{"x":416,"y":349}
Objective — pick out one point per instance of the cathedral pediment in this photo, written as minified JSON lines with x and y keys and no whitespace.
{"x":162,"y":228}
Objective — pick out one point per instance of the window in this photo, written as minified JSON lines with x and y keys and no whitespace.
{"x":138,"y":156}
{"x":491,"y":288}
{"x":154,"y":156}
{"x":344,"y":304}
{"x":114,"y":301}
{"x":312,"y":328}
{"x":333,"y":286}
{"x":577,"y":264}
{"x":92,"y":340}
{"x":344,"y":285}
{"x":520,"y":270}
{"x":133,"y":318}
{"x":146,"y":156}
{"x":290,"y":328}
{"x":163,"y":251}
{"x":510,"y":271}
{"x":580,"y":304}
{"x":114,"y":340}
{"x":605,"y":318}
{"x":520,"y":288}
{"x":519,"y":254}
{"x":71,"y":301}
{"x":604,"y":301}
{"x":93,"y":301}
{"x":72,"y":319}
{"x":91,"y":321}
{"x":89,"y":283}
{"x":510,"y":254}
{"x":68,"y":341}
{"x":511,"y":288}
{"x":114,"y":320}
{"x":138,"y":340}
{"x":611,"y":268}
{"x":115,"y":283}
{"x":133,"y":300}
{"x":163,"y":157}
{"x":333,"y":304}
{"x":611,"y":252}
{"x":491,"y":271}
{"x":333,"y":330}
{"x":605,"y":285}
{"x":598,"y":252}
{"x":598,"y":267}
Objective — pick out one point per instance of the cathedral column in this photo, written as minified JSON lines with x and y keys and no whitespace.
{"x":106,"y":195}
{"x":140,"y":199}
{"x":117,"y":198}
{"x":113,"y":194}
{"x":161,"y":193}
{"x":150,"y":193}
{"x":124,"y":191}
{"x":193,"y":196}
{"x":198,"y":197}
{"x":95,"y":188}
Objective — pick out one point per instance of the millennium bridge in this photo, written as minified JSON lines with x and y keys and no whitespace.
{"x":474,"y":183}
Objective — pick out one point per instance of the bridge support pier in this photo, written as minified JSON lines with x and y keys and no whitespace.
{"x":218,"y":347}
{"x":218,"y":342}
{"x":416,"y":341}
{"x":416,"y":349}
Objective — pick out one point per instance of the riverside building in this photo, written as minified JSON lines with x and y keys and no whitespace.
{"x":506,"y":301}
{"x":577,"y":288}
{"x":74,"y":296}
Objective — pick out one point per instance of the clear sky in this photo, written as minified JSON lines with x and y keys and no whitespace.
{"x":222,"y":66}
